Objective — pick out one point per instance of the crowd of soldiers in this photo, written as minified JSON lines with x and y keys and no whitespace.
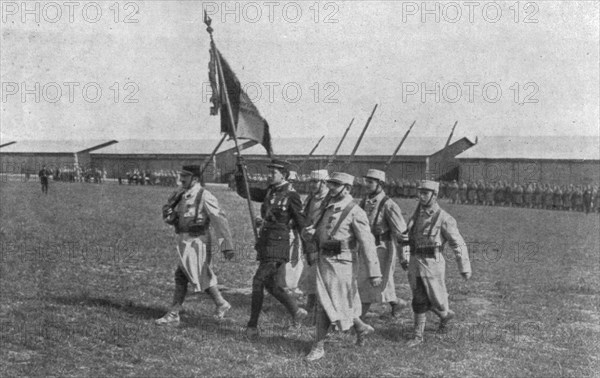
{"x":582,"y":198}
{"x":163,"y":177}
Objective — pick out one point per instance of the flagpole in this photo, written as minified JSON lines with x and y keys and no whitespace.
{"x":212,"y":155}
{"x":387,"y":164}
{"x":332,"y":157}
{"x":233,"y":125}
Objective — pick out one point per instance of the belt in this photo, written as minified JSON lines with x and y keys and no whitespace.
{"x":425,"y":251}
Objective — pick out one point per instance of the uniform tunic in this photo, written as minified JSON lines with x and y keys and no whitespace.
{"x":312,"y":210}
{"x":391,"y":225}
{"x":337,"y":287}
{"x":193,"y":250}
{"x":430,"y":228}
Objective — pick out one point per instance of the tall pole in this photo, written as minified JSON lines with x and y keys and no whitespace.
{"x":332,"y":157}
{"x":361,"y":135}
{"x":451,"y":133}
{"x":207,"y":20}
{"x":212,"y":155}
{"x":310,"y":154}
{"x":387,"y":164}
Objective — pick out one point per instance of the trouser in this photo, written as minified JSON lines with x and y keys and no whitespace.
{"x":266,"y":278}
{"x":429,"y":295}
{"x":45,"y":186}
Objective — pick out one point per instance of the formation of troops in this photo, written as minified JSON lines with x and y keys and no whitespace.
{"x":162,"y":177}
{"x":580,"y":197}
{"x":351,"y":248}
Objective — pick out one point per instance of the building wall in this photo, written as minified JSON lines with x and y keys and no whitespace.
{"x":559,"y":172}
{"x":21,"y":163}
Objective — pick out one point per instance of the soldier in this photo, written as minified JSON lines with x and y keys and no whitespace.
{"x":280,"y":205}
{"x":508,"y":195}
{"x":289,"y":273}
{"x":578,"y":199}
{"x":462,"y":192}
{"x":499,"y":194}
{"x":566,"y":198}
{"x":314,"y":203}
{"x":412,"y":192}
{"x":406,"y":189}
{"x":587,"y":199}
{"x":472,"y":193}
{"x":387,"y":226}
{"x":528,"y":196}
{"x":339,"y":229}
{"x":191,"y":209}
{"x":480,"y":193}
{"x":558,"y":194}
{"x":43,"y":175}
{"x":489,"y":194}
{"x":430,"y":228}
{"x":453,"y":192}
{"x":538,"y":196}
{"x":443,"y":187}
{"x":518,"y":195}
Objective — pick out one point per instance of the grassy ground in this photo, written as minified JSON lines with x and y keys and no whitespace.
{"x":86,"y":270}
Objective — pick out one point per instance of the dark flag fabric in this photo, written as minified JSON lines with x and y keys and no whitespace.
{"x":249,"y":124}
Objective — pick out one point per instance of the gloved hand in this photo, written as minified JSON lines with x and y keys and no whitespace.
{"x":228,"y":254}
{"x":258,"y":222}
{"x":466,"y":275}
{"x":375,"y":281}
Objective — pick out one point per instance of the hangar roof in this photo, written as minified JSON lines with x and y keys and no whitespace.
{"x":55,"y":146}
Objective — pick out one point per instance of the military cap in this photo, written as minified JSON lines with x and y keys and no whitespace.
{"x":279,"y":164}
{"x":318,"y":175}
{"x":192,"y":170}
{"x":429,"y":185}
{"x":375,"y":174}
{"x":341,"y":178}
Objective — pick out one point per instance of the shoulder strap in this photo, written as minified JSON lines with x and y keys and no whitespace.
{"x":363,"y":203}
{"x":383,"y":201}
{"x":436,"y":216}
{"x":343,"y":216}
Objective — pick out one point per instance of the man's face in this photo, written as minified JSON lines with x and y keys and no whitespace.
{"x":275,"y":176}
{"x":335,"y":188}
{"x":371,"y":184}
{"x":425,"y":197}
{"x":315,"y":186}
{"x":186,"y":180}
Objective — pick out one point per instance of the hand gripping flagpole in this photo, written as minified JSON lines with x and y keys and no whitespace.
{"x":209,"y":29}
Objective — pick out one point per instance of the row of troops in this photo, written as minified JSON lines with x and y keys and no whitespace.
{"x":534,"y":195}
{"x":162,"y":177}
{"x":584,"y":198}
{"x":351,"y":249}
{"x":76,"y":174}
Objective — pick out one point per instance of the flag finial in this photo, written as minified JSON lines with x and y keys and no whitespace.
{"x":208,"y":21}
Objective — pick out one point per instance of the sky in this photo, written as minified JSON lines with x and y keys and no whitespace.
{"x":139,"y":69}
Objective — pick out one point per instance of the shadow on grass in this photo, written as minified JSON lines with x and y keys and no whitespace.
{"x":126,"y":306}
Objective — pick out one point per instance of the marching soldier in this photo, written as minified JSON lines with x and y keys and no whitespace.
{"x":280,"y":206}
{"x":43,"y":174}
{"x":192,"y":209}
{"x":313,"y":205}
{"x":339,"y":229}
{"x":290,"y":271}
{"x":387,"y":226}
{"x":430,"y":228}
{"x":518,"y":195}
{"x":453,"y":192}
{"x":462,"y":192}
{"x":558,"y":195}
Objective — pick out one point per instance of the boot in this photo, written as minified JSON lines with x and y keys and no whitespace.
{"x":317,"y":352}
{"x":444,"y":320}
{"x":365,"y":310}
{"x":222,"y":305}
{"x":420,"y":320}
{"x":397,"y":307}
{"x":170,"y":318}
{"x":362,"y":331}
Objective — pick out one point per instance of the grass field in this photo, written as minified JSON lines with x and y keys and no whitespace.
{"x":86,"y":270}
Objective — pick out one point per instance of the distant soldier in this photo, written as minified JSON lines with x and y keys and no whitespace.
{"x":508,"y":194}
{"x":558,"y":196}
{"x":43,"y":174}
{"x":578,"y":199}
{"x":499,"y":194}
{"x":567,"y":198}
{"x":596,"y":195}
{"x":528,"y":196}
{"x":430,"y":228}
{"x":341,"y":228}
{"x":191,"y":210}
{"x":518,"y":195}
{"x":387,"y":226}
{"x":480,"y":193}
{"x":472,"y":193}
{"x":413,"y":189}
{"x":462,"y":192}
{"x":399,"y":192}
{"x":405,"y":189}
{"x":548,"y":198}
{"x":538,"y":196}
{"x":280,"y":206}
{"x":587,"y":199}
{"x":489,"y":194}
{"x":453,"y":192}
{"x":443,"y":189}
